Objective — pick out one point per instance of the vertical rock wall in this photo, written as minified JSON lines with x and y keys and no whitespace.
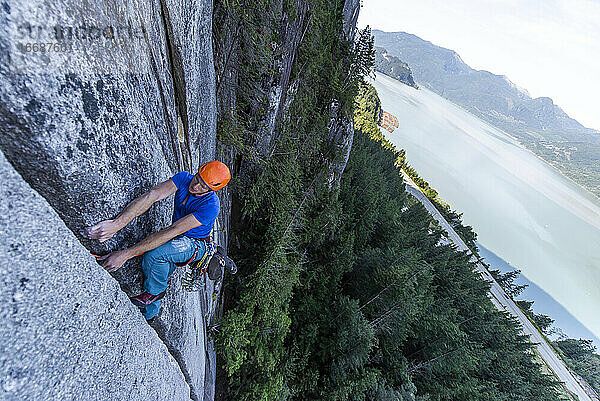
{"x":67,"y":330}
{"x":291,"y":33}
{"x":99,"y":101}
{"x":341,"y":128}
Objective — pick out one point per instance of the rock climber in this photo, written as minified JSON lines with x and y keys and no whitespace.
{"x":196,"y":206}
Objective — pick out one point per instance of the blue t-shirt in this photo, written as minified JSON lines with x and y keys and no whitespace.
{"x":205,"y":208}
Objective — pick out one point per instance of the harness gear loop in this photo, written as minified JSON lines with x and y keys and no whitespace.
{"x":194,"y":272}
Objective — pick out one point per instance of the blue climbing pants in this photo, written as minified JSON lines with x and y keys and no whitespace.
{"x":159,"y":263}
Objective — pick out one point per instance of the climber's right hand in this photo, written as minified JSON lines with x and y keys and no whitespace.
{"x":102,"y":231}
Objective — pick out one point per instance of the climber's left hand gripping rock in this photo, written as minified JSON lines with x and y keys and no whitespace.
{"x":114,"y":260}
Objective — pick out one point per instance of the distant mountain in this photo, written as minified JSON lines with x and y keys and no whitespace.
{"x":393,"y":67}
{"x":538,"y":123}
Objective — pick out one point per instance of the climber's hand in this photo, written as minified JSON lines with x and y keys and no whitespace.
{"x":114,"y":260}
{"x":102,"y":231}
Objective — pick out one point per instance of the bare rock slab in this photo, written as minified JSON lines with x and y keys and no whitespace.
{"x":67,"y":331}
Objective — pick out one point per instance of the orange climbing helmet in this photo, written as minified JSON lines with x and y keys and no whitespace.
{"x":215,"y":174}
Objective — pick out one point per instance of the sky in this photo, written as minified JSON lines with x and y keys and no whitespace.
{"x":548,"y":47}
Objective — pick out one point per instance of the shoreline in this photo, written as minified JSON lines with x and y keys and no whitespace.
{"x":501,"y":300}
{"x":595,"y":197}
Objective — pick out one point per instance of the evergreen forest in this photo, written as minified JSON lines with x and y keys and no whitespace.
{"x":344,"y":291}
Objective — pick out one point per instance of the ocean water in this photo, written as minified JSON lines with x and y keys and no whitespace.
{"x":544,"y":303}
{"x":523,"y":210}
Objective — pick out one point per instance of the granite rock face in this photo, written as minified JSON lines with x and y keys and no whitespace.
{"x":341,"y":128}
{"x":67,"y":330}
{"x":81,"y":126}
{"x":350,"y":17}
{"x":188,"y":26}
{"x":290,"y":34}
{"x":120,"y":97}
{"x":341,"y":135}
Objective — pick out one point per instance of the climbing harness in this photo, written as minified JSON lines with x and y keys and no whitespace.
{"x":214,"y":262}
{"x":192,"y":278}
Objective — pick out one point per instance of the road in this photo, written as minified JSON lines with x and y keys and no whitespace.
{"x":502,"y":301}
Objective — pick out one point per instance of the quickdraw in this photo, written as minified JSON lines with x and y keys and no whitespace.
{"x":192,"y":278}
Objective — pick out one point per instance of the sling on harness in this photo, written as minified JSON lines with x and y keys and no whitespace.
{"x":191,"y":279}
{"x":213,"y":262}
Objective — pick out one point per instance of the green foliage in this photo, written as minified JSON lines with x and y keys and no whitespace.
{"x":579,"y":161}
{"x":277,"y":193}
{"x":254,"y":331}
{"x":343,"y":294}
{"x":507,"y":282}
{"x":580,"y":355}
{"x":434,"y":331}
{"x":542,"y":322}
{"x":393,"y":67}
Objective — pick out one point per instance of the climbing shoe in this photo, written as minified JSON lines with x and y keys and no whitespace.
{"x":145,"y":298}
